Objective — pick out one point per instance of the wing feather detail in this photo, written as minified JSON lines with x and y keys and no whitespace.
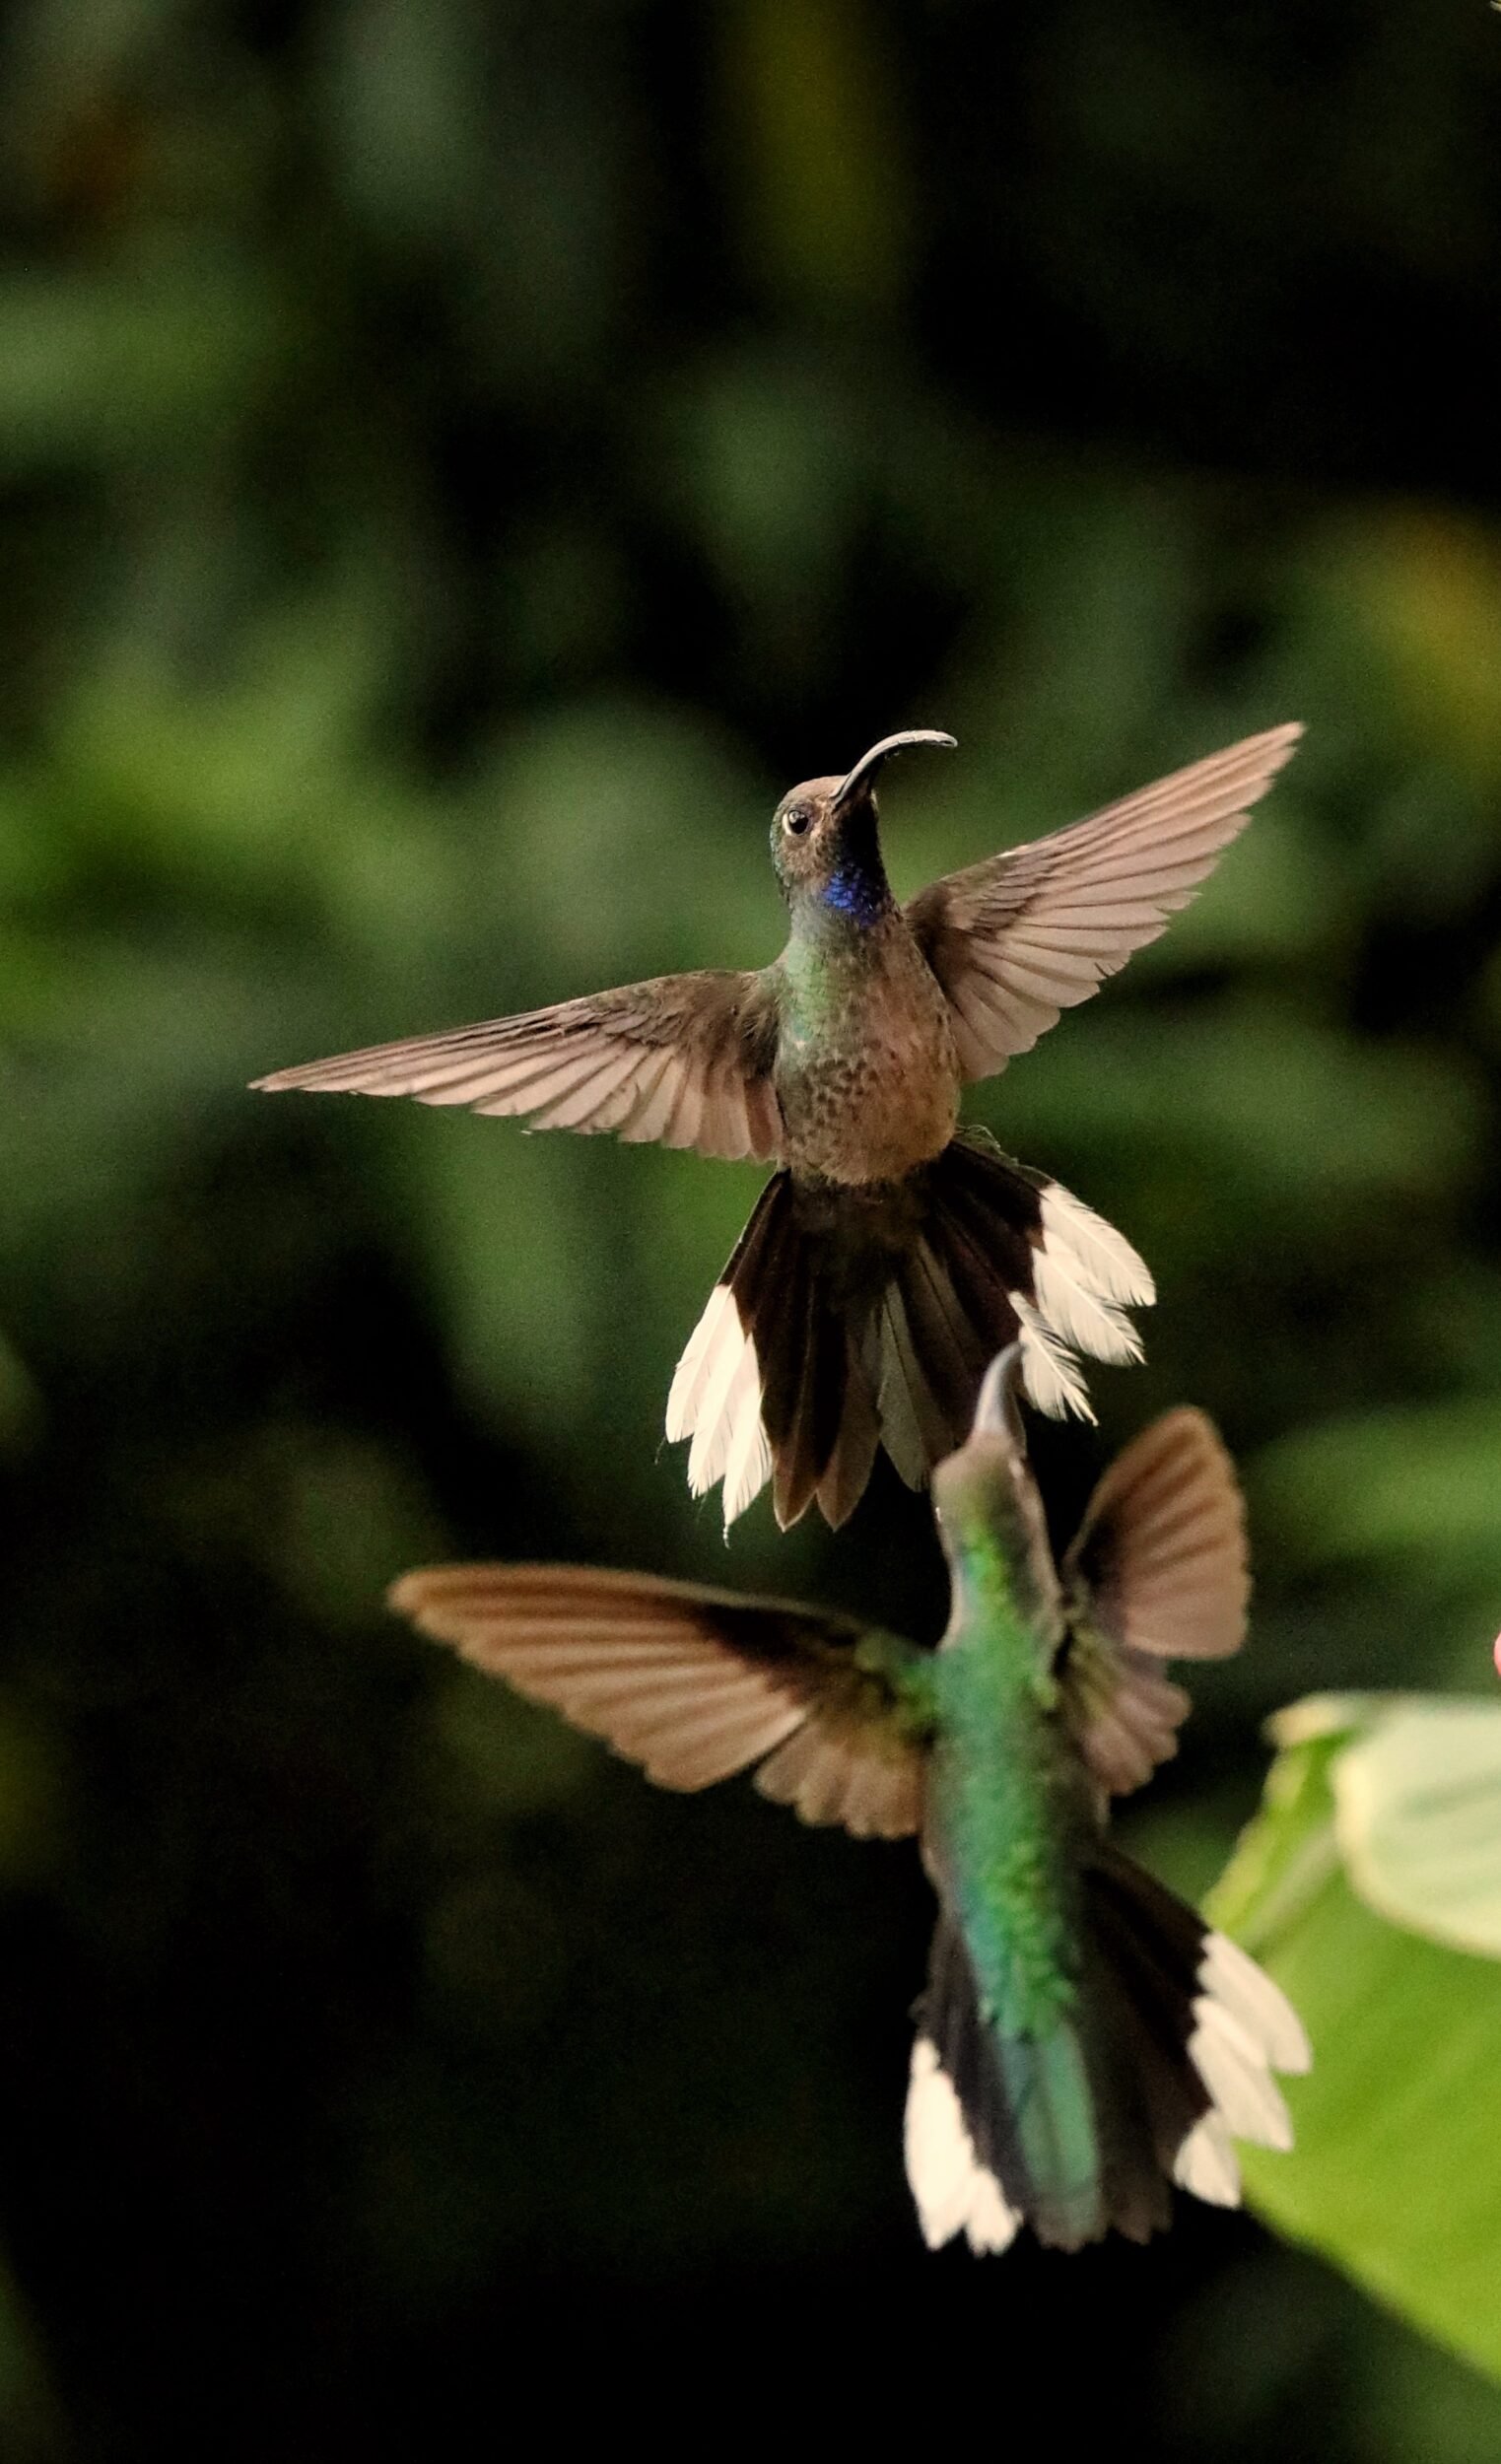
{"x":1157,"y":1571}
{"x":1161,"y":1551}
{"x":683,"y":1059}
{"x":695,"y":1684}
{"x":1025,"y":935}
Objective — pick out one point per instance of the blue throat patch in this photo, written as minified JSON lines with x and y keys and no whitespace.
{"x":851,"y":892}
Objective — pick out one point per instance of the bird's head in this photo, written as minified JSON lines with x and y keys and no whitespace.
{"x":987,"y":1502}
{"x":824,"y":842}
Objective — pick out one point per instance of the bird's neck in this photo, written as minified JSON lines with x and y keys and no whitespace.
{"x":854,"y":898}
{"x":992,"y":1630}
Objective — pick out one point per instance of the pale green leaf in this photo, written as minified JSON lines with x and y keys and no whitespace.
{"x":1395,"y":2173}
{"x":1417,"y":1806}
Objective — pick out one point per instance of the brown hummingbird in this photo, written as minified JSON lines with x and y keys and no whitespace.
{"x":893,"y":1252}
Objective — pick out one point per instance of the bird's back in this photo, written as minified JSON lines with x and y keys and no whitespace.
{"x":1011,"y":1830}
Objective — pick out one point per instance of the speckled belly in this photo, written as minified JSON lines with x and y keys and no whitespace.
{"x":887,"y":1099}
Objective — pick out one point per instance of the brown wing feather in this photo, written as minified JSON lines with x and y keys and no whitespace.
{"x":684,"y":1060}
{"x":849,"y":1772}
{"x":1125,"y":1715}
{"x":1157,"y":1571}
{"x":1025,"y":935}
{"x":693,"y":1683}
{"x":1161,"y":1550}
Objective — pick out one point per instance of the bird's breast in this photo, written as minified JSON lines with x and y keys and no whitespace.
{"x":868,"y":1074}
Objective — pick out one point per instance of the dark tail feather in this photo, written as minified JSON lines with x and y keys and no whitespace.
{"x":1000,"y":2130}
{"x":851,"y":1316}
{"x":801,"y":1390}
{"x":842,"y":1483}
{"x":1171,"y":2046}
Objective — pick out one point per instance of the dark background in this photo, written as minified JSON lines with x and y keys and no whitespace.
{"x":461,"y":461}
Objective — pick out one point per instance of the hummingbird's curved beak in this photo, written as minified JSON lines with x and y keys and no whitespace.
{"x":869,"y":763}
{"x":996,"y":1413}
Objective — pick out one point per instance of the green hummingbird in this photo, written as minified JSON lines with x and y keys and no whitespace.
{"x":892,"y":1253}
{"x":1085,"y":2040}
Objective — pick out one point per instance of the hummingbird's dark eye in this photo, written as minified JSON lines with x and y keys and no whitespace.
{"x":797,"y":820}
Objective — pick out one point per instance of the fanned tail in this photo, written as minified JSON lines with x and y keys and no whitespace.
{"x":853,"y":1317}
{"x":1171,"y":2049}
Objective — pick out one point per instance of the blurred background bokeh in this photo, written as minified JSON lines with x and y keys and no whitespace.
{"x":461,"y":461}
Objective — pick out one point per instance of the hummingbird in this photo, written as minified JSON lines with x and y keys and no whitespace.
{"x":893,"y":1251}
{"x":1085,"y":2040}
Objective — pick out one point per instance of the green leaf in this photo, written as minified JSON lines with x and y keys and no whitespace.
{"x":1417,"y":1811}
{"x":1375,"y":1808}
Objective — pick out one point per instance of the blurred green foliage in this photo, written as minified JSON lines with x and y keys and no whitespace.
{"x":461,"y":463}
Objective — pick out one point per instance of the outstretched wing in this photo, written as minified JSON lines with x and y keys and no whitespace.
{"x":1024,"y":935}
{"x":1156,"y":1571}
{"x":685,"y":1060}
{"x":693,"y":1683}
